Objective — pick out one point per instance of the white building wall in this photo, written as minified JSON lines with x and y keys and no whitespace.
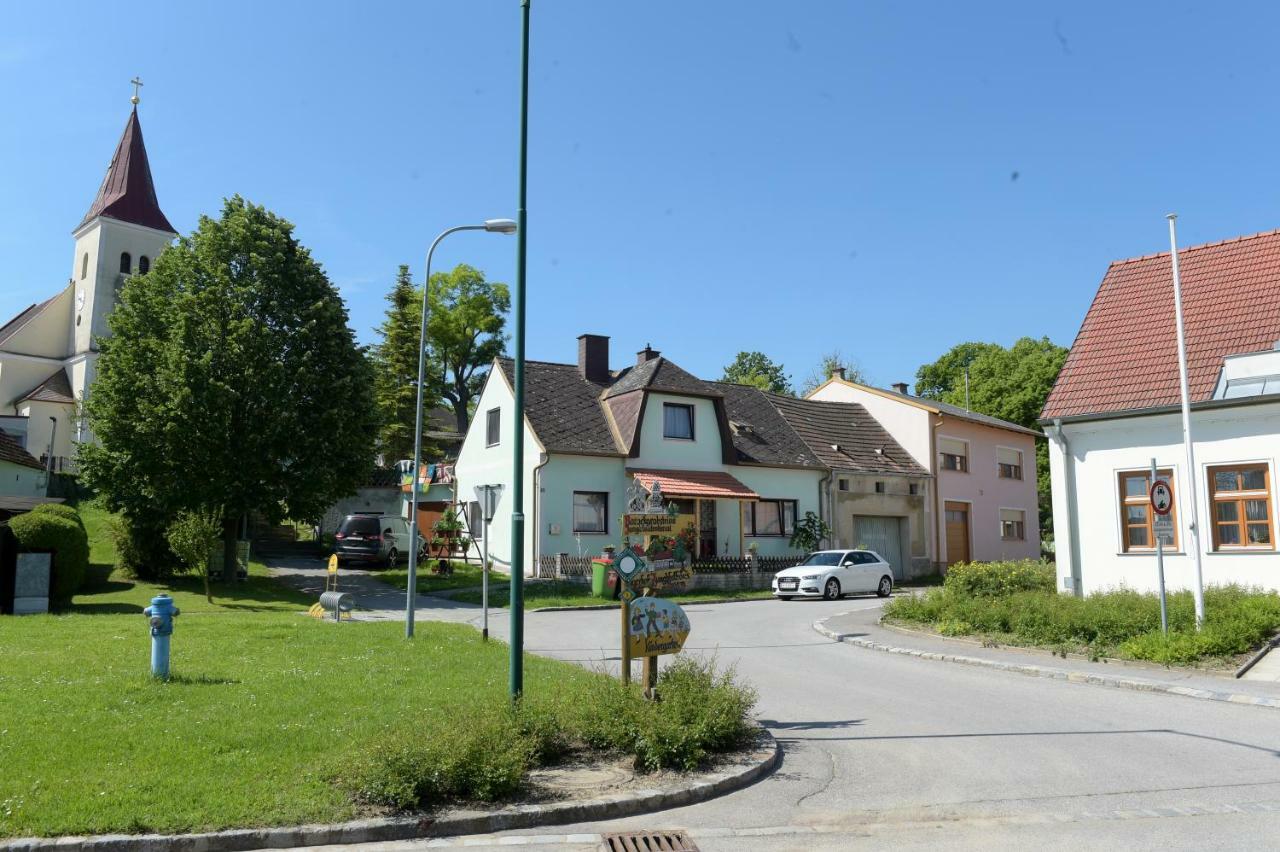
{"x":479,"y":464}
{"x":20,"y":481}
{"x":1100,"y":450}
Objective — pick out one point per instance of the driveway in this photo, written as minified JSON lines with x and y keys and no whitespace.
{"x":883,"y":750}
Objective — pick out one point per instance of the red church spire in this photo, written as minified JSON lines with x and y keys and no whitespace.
{"x":127,"y":193}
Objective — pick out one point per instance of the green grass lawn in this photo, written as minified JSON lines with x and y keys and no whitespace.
{"x":263,"y":711}
{"x":554,"y":594}
{"x":464,"y":574}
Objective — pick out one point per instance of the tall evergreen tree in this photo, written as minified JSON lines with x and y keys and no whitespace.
{"x":231,"y":383}
{"x":395,"y":361}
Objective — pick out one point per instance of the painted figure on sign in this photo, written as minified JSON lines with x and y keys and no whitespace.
{"x":651,"y":623}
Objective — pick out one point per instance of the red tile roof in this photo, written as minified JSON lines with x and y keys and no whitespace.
{"x":1125,"y":356}
{"x":127,"y":192}
{"x":695,"y":483}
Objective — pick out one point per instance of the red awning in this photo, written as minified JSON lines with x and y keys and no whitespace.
{"x":695,"y":483}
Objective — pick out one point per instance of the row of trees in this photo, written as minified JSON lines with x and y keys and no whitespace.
{"x":232,"y":384}
{"x":1009,"y":383}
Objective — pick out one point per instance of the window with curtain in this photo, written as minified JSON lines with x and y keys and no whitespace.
{"x":1009,"y":462}
{"x":1241,"y":497}
{"x":677,"y":421}
{"x":769,"y":517}
{"x":1013,"y":524}
{"x":1135,"y":511}
{"x":590,"y":511}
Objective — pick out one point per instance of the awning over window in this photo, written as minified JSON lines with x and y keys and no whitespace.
{"x":695,"y":483}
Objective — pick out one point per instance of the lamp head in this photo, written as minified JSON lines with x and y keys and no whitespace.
{"x":500,"y":226}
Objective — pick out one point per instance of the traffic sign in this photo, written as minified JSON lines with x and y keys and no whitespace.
{"x":487,"y":496}
{"x":333,"y":564}
{"x":1161,"y":497}
{"x":628,"y":563}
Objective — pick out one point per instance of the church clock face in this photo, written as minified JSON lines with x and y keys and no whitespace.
{"x":80,"y":300}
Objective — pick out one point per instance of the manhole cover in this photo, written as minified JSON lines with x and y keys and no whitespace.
{"x":648,"y":841}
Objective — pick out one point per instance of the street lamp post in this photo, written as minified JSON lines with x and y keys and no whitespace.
{"x":497,"y":226}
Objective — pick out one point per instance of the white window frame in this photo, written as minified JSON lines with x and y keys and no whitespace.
{"x":1117,"y":511}
{"x":573,"y":517}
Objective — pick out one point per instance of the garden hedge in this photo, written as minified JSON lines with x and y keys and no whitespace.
{"x":66,"y":538}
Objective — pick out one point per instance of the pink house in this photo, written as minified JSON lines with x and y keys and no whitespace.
{"x":982,"y":503}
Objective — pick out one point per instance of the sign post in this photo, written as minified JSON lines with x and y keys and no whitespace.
{"x":488,"y":496}
{"x":1161,"y":523}
{"x":627,"y":565}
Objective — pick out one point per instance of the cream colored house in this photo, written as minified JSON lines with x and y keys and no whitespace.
{"x":48,"y":351}
{"x":983,"y":505}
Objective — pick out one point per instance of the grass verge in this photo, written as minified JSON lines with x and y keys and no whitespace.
{"x":464,"y":574}
{"x":1015,"y":603}
{"x":545,"y":593}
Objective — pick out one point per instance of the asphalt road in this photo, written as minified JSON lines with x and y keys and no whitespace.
{"x":883,"y":751}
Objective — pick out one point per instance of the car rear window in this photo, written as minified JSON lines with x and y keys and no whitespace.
{"x":359,"y":526}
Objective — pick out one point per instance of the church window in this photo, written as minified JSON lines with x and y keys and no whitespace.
{"x":84,"y":266}
{"x":126,"y":263}
{"x":144,"y":264}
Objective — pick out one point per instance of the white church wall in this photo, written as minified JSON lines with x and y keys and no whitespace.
{"x":44,"y":335}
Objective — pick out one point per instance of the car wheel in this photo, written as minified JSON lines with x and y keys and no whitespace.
{"x":831,"y":591}
{"x":393,"y":557}
{"x":886,"y":586}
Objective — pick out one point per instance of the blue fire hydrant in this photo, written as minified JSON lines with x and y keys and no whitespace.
{"x":162,"y":613}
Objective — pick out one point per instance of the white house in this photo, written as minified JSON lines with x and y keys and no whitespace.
{"x":740,"y":464}
{"x":48,"y":351}
{"x":984,"y":505}
{"x":1116,"y":406}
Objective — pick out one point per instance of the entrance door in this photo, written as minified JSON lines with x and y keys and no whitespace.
{"x":957,"y":532}
{"x":884,"y":536}
{"x":706,"y":528}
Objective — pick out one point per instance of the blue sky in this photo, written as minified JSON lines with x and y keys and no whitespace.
{"x":887,"y":179}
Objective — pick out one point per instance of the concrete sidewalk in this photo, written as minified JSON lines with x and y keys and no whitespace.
{"x":863,"y":628}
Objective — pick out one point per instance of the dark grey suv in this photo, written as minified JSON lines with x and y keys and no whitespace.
{"x":378,"y":539}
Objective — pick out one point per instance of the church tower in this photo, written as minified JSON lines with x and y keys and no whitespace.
{"x":121,"y":235}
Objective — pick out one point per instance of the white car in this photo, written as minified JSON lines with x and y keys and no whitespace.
{"x":831,"y":574}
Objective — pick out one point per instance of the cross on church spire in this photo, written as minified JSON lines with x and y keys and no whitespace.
{"x":137,"y":83}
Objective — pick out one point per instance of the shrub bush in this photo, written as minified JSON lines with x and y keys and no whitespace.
{"x":485,"y":756}
{"x":1121,"y":622}
{"x":142,"y":550}
{"x":60,"y":510}
{"x":993,"y":579}
{"x":66,"y":538}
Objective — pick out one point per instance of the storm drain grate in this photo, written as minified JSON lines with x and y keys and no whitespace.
{"x":648,"y":841}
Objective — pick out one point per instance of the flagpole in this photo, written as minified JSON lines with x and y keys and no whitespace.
{"x":1192,"y":474}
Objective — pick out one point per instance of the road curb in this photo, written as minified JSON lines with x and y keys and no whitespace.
{"x":760,"y":762}
{"x":619,"y":606}
{"x":1069,"y":675}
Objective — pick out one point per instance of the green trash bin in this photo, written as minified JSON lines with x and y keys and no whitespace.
{"x":600,"y":577}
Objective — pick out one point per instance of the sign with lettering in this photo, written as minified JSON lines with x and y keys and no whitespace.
{"x":333,"y":564}
{"x":640,"y":523}
{"x":656,"y":626}
{"x":665,"y":574}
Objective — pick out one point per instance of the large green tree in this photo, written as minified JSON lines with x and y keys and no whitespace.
{"x":395,"y":360}
{"x":1011,"y":384}
{"x":467,"y":316}
{"x":230,"y":383}
{"x":758,"y":370}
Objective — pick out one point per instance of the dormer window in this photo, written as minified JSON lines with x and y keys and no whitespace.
{"x":677,"y":421}
{"x":126,"y":263}
{"x":144,"y":265}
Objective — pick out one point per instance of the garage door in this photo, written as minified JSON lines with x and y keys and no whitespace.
{"x":883,"y":535}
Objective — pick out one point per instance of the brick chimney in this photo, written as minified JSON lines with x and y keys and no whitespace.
{"x":648,"y":353}
{"x":900,"y":387}
{"x":593,"y":357}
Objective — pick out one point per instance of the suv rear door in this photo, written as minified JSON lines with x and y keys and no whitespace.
{"x":359,"y":534}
